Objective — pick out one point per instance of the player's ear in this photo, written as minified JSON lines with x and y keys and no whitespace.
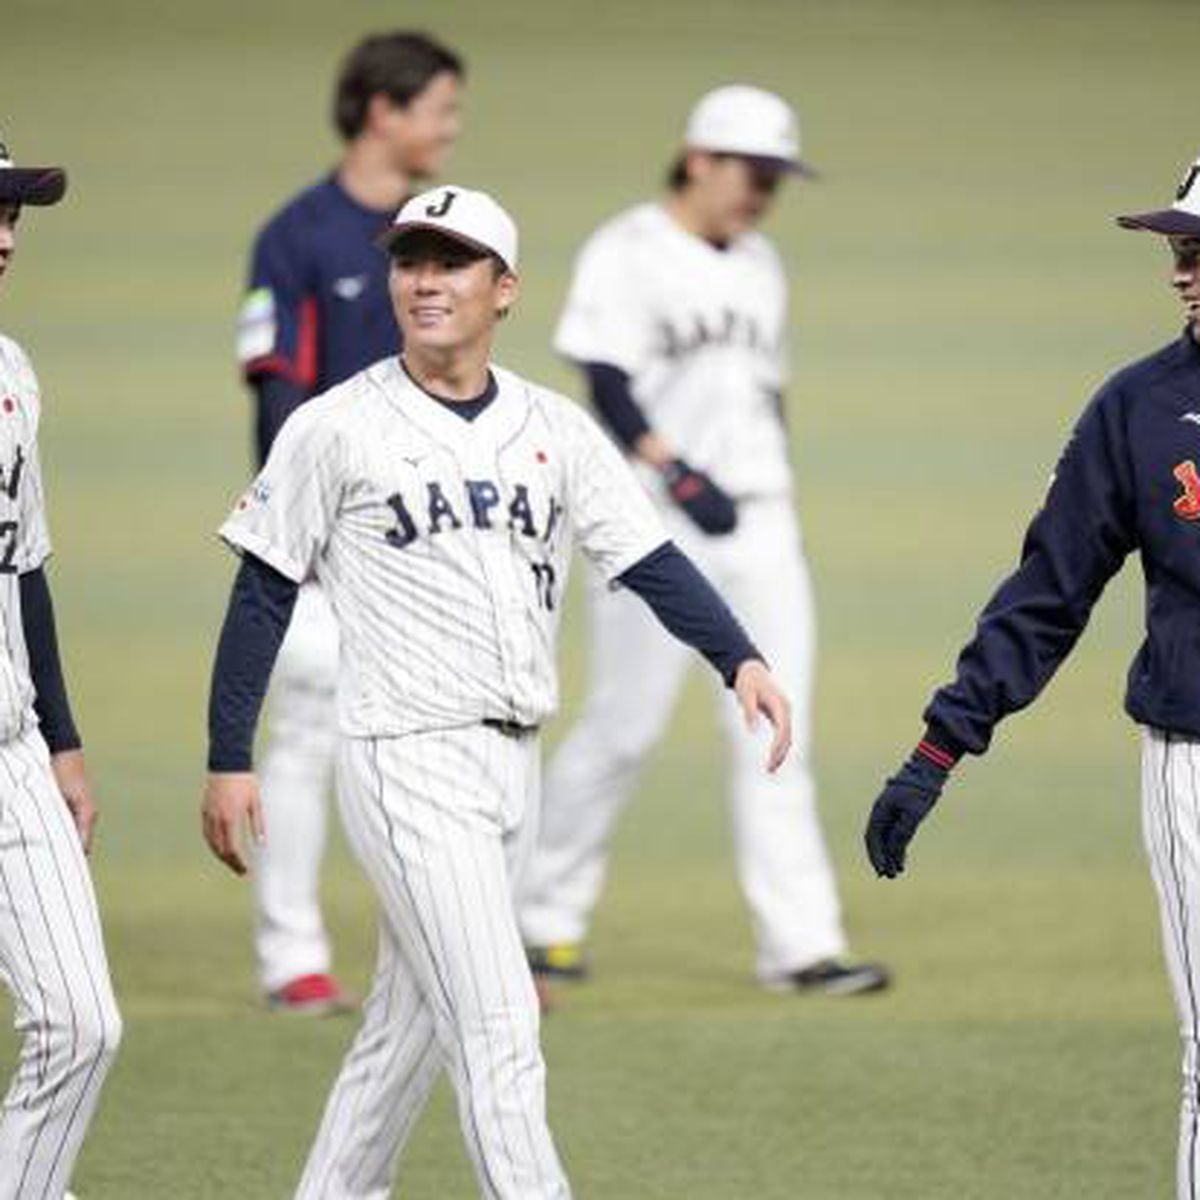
{"x":699,"y":165}
{"x":508,"y":288}
{"x":382,"y":111}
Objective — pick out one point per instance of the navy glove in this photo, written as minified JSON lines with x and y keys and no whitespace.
{"x":708,"y":505}
{"x":903,"y":804}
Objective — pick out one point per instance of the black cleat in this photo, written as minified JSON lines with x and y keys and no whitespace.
{"x":561,"y":960}
{"x":832,"y":977}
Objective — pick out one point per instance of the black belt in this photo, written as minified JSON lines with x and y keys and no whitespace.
{"x":509,"y":728}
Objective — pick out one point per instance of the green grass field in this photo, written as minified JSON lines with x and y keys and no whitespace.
{"x":960,"y":289}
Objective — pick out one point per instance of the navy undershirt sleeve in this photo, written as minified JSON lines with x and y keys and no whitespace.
{"x":260,"y":608}
{"x":688,"y":606}
{"x":50,"y":701}
{"x":614,"y":403}
{"x":277,"y":398}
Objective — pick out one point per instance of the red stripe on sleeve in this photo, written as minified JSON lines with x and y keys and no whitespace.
{"x":305,"y":370}
{"x":936,"y":755}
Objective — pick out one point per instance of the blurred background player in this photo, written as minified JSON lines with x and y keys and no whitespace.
{"x":1127,"y":481}
{"x":677,"y":315}
{"x":317,"y":311}
{"x":52,"y":956}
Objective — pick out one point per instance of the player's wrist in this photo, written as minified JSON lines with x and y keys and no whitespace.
{"x":653,"y":451}
{"x":746,"y":660}
{"x":226,"y":761}
{"x":939,"y":747}
{"x":683,"y":482}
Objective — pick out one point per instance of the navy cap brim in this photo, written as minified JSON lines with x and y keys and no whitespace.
{"x":32,"y":185}
{"x":1166,"y":220}
{"x":785,"y":166}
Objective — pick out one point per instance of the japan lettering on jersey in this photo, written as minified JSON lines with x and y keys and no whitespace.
{"x":24,"y":538}
{"x":700,"y":331}
{"x":443,"y":544}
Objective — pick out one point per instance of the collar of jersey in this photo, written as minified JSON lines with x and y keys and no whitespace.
{"x":496,"y":425}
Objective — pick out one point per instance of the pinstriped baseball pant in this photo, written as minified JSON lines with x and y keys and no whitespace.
{"x":1171,"y":828}
{"x":52,"y":961}
{"x":441,"y":821}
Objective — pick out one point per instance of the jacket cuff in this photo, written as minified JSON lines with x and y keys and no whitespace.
{"x":939,"y":748}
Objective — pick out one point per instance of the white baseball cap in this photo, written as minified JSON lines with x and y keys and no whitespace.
{"x":1183,"y":217}
{"x":740,"y":119}
{"x":473,"y":218}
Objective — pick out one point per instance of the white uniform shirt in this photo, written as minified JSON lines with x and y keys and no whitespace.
{"x":442,"y":544}
{"x":702,"y":334}
{"x":24,"y":538}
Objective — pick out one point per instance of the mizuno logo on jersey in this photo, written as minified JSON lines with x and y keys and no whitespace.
{"x":349,"y":287}
{"x":482,"y":503}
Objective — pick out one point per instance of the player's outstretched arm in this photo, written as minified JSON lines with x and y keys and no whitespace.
{"x":758,"y":693}
{"x":1075,"y":544}
{"x":690,"y":608}
{"x":231,"y":806}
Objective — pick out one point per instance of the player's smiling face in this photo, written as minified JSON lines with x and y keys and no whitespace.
{"x":1185,"y":275}
{"x":446,"y":295}
{"x":8,"y":234}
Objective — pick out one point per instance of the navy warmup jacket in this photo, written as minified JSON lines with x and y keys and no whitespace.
{"x":1128,"y":480}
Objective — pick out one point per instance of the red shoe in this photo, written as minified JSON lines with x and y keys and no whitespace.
{"x":312,"y":996}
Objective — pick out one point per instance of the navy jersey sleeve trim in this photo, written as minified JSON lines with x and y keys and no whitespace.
{"x":613,"y":401}
{"x":690,"y":608}
{"x":50,"y":703}
{"x":301,"y":367}
{"x":282,"y":268}
{"x":260,"y":607}
{"x":1072,"y":548}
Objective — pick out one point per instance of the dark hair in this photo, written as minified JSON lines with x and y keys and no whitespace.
{"x":401,"y":65}
{"x":677,"y":173}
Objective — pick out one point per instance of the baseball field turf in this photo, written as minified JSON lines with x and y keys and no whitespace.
{"x":960,"y":290}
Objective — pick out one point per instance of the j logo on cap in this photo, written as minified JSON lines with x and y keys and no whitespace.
{"x":440,"y":210}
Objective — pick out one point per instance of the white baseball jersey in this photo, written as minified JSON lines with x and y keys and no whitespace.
{"x":442,"y":544}
{"x":24,"y":540}
{"x":52,"y":958}
{"x":700,"y":331}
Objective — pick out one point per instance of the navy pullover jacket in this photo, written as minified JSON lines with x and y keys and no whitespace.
{"x":1129,"y":479}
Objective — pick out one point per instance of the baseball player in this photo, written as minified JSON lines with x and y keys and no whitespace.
{"x":51,"y":950}
{"x":1127,"y":482}
{"x":436,"y":498}
{"x":317,"y":311}
{"x":677,"y":316}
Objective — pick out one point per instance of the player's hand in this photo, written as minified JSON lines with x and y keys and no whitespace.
{"x":757,"y":692}
{"x":904,"y":803}
{"x":70,"y":774}
{"x":231,"y":807}
{"x":708,"y":505}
